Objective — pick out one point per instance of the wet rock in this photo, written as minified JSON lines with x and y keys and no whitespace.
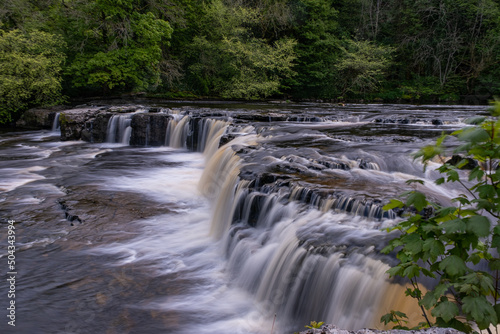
{"x":263,"y":117}
{"x":74,"y":122}
{"x":39,"y":118}
{"x":330,"y":329}
{"x":89,"y":123}
{"x":94,"y":129}
{"x":437,"y":122}
{"x":455,"y":159}
{"x":149,"y":129}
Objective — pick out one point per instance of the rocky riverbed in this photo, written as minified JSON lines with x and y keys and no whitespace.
{"x":181,"y":218}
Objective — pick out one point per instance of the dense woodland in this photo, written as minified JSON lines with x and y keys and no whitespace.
{"x":371,"y":50}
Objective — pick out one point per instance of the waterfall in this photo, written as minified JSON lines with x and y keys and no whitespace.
{"x":211,"y":132}
{"x":219,"y":181}
{"x":177,"y":131}
{"x":306,"y":265}
{"x":204,"y":134}
{"x":302,"y":255}
{"x":56,"y":124}
{"x":119,"y":129}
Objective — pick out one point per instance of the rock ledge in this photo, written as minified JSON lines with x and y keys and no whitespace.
{"x":330,"y":329}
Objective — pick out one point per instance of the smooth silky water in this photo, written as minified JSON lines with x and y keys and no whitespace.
{"x":119,"y":239}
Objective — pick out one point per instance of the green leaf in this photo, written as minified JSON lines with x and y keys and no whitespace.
{"x":434,"y":247}
{"x":400,"y":314}
{"x":414,"y":181}
{"x":454,"y":226}
{"x":386,"y":318}
{"x":446,"y":211}
{"x":482,"y":280}
{"x":480,"y":309}
{"x":418,"y":200}
{"x":496,"y":230}
{"x":496,"y":307}
{"x":494,"y":264}
{"x":454,"y":323}
{"x":462,"y":163}
{"x":441,"y":289}
{"x":476,"y":173}
{"x":474,"y":258}
{"x":428,"y":152}
{"x":411,"y":271}
{"x":445,"y":310}
{"x":461,"y":200}
{"x":483,"y":204}
{"x":479,"y":225}
{"x":439,"y":181}
{"x":453,"y":265}
{"x":453,"y":176}
{"x":413,"y":243}
{"x":475,"y":120}
{"x":495,"y":108}
{"x":495,"y":242}
{"x":394,"y":203}
{"x":486,"y":191}
{"x":441,"y":139}
{"x":473,"y":135}
{"x":429,"y":300}
{"x":395,"y":271}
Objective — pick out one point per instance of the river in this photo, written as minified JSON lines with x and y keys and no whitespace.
{"x":279,"y":226}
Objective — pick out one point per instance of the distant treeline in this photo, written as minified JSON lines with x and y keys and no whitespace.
{"x":390,"y":50}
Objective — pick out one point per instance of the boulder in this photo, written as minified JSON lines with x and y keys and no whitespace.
{"x":39,"y":118}
{"x":78,"y":121}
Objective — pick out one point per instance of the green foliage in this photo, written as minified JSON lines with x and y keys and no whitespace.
{"x":362,"y":66}
{"x":30,"y":67}
{"x":315,"y":27}
{"x":314,"y":324}
{"x":122,"y":49}
{"x":391,"y":50}
{"x":231,"y":61}
{"x":448,"y":242}
{"x":398,"y":319}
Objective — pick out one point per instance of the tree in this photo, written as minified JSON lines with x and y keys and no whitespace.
{"x":228,"y":59}
{"x":30,"y":71}
{"x":117,"y":45}
{"x":448,"y":38}
{"x":457,"y":245}
{"x":362,"y":66}
{"x":316,"y":30}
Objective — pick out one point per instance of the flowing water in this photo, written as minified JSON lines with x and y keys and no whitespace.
{"x":272,"y":221}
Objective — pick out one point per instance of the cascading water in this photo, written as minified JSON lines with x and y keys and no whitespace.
{"x":302,"y":262}
{"x":56,"y":124}
{"x":119,"y":129}
{"x":209,"y":131}
{"x":177,"y":131}
{"x":285,"y":218}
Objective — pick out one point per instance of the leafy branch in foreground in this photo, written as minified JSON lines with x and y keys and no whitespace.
{"x":456,"y":245}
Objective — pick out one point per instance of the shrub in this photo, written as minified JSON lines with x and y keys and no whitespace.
{"x":458,"y":245}
{"x":30,"y":67}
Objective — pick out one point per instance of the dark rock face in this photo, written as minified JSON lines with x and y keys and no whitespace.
{"x":39,"y":118}
{"x":149,"y":129}
{"x":77,"y":123}
{"x":94,"y":130}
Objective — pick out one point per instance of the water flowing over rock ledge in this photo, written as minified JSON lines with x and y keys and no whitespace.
{"x":294,"y":193}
